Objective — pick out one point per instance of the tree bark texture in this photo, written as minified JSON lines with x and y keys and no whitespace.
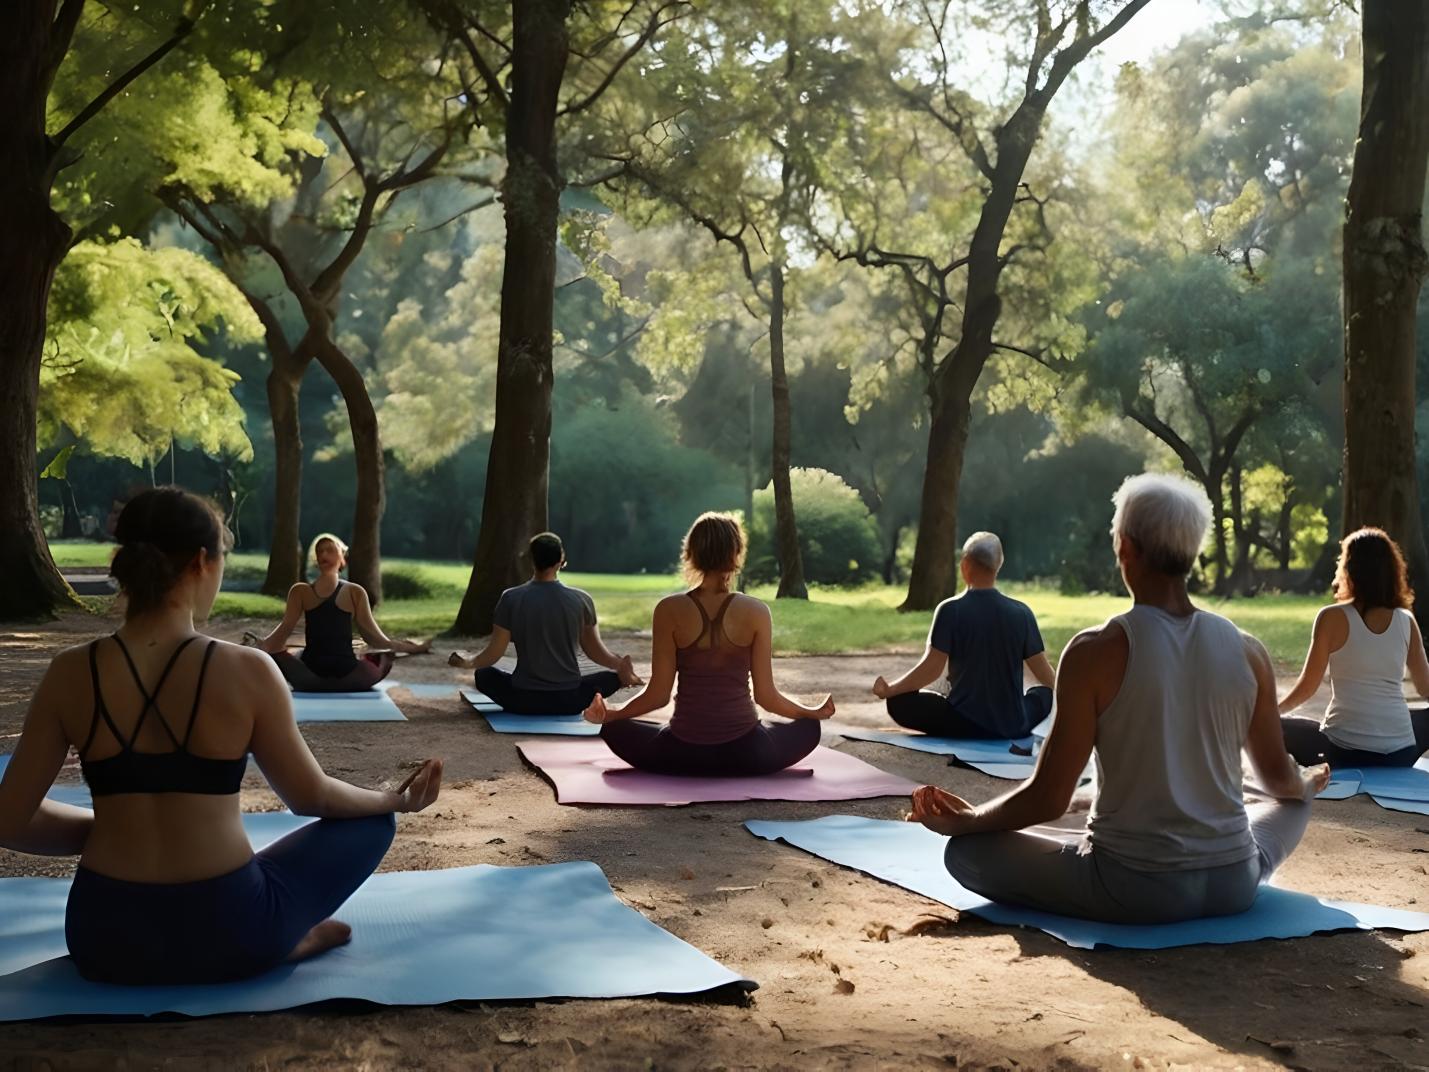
{"x":1384,"y":265}
{"x":33,"y":240}
{"x":786,"y":528}
{"x":284,"y":383}
{"x":514,"y":506}
{"x":364,"y":560}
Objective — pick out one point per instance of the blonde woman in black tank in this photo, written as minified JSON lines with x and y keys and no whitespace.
{"x":330,"y":606}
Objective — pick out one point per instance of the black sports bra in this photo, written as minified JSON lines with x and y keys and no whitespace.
{"x":179,"y":771}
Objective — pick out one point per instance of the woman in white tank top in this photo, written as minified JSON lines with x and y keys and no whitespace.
{"x":1366,"y":640}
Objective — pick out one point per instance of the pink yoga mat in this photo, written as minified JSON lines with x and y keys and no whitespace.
{"x":587,"y":772}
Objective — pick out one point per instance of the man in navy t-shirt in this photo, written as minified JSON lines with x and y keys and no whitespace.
{"x":983,"y":639}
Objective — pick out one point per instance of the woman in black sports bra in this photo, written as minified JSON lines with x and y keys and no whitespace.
{"x":168,"y":889}
{"x":329,"y":606}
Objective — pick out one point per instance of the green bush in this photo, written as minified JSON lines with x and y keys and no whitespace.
{"x":838,"y":537}
{"x":411,"y":582}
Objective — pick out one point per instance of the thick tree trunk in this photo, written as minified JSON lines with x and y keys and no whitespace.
{"x":285,"y":550}
{"x":518,"y":467}
{"x":364,"y":560}
{"x":33,"y":240}
{"x":786,"y":528}
{"x":1384,"y":264}
{"x":934,"y":576}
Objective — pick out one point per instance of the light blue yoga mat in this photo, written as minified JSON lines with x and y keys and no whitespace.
{"x":427,"y":691}
{"x":1397,"y":788}
{"x":911,"y":856}
{"x":571,"y":725}
{"x":370,"y":706}
{"x":993,"y":758}
{"x":478,"y":933}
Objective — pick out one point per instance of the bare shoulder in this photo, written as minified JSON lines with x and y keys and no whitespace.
{"x":355,"y":592}
{"x":747,"y":604}
{"x":1097,"y":642}
{"x":68,"y":669}
{"x":1257,"y":654}
{"x":301,"y":594}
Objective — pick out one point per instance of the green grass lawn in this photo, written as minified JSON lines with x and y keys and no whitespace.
{"x":423,"y":599}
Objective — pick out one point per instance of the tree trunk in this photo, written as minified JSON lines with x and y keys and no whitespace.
{"x":786,"y":528}
{"x":518,"y":467}
{"x":285,"y":550}
{"x":364,"y":560}
{"x":33,"y":240}
{"x":934,"y":576}
{"x":1384,"y":263}
{"x":1215,"y":492}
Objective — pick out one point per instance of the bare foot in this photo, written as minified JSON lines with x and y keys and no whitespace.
{"x":329,"y":934}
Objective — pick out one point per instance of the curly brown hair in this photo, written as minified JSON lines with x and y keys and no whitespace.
{"x":1371,"y":571}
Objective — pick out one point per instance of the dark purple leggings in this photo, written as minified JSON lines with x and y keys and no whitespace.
{"x":1306,"y":741}
{"x":765,"y":749}
{"x":229,"y":927}
{"x":370,"y":669}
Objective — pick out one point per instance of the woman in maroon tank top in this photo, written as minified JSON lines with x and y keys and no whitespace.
{"x":714,"y":641}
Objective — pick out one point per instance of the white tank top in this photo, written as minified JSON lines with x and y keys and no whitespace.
{"x":1168,"y":746}
{"x":1367,"y":706}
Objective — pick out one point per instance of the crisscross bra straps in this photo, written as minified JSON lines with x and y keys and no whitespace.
{"x":176,"y":771}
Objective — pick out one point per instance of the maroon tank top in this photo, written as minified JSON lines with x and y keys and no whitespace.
{"x":712,"y":700}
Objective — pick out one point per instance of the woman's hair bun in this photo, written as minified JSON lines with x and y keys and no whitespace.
{"x":159,"y":532}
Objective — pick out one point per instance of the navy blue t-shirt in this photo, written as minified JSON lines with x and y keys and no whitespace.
{"x":986,"y":636}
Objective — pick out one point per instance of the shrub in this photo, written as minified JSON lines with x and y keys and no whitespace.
{"x":838,"y":538}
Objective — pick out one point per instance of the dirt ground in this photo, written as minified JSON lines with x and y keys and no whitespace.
{"x":833,"y":992}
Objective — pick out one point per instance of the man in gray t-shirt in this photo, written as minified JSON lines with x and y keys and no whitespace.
{"x":549,"y":624}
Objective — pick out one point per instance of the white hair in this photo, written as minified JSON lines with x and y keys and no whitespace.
{"x":985,"y":549}
{"x":1167,"y":516}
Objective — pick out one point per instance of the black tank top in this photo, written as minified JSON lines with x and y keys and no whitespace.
{"x":327,"y":647}
{"x":178,"y":771}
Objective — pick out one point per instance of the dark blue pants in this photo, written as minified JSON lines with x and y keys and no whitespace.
{"x":763,"y":750}
{"x":929,"y":712}
{"x":497,"y":684}
{"x":1306,"y":741}
{"x":224,"y":928}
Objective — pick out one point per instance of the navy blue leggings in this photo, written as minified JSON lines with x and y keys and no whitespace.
{"x":224,"y":928}
{"x":518,"y":701}
{"x":929,"y":712}
{"x":363,"y":675}
{"x":1306,"y":741}
{"x":763,"y":750}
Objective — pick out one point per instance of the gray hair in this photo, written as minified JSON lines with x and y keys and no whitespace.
{"x":985,"y":549}
{"x":1167,"y":516}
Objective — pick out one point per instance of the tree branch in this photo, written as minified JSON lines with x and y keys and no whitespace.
{"x":57,"y":47}
{"x":653,"y":26}
{"x":182,"y":29}
{"x":1168,"y":435}
{"x":447,"y":17}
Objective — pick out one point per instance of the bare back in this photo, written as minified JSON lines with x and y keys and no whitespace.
{"x":158,"y":837}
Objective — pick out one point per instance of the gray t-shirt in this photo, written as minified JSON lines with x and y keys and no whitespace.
{"x":545,"y":620}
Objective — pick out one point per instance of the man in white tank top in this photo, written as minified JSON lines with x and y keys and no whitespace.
{"x":1165,"y":697}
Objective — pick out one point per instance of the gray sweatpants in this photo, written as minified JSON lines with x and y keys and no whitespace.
{"x":1057,"y":871}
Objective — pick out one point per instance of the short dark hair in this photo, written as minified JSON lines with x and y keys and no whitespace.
{"x":1371,"y":571}
{"x":546,"y":550}
{"x":159,"y":532}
